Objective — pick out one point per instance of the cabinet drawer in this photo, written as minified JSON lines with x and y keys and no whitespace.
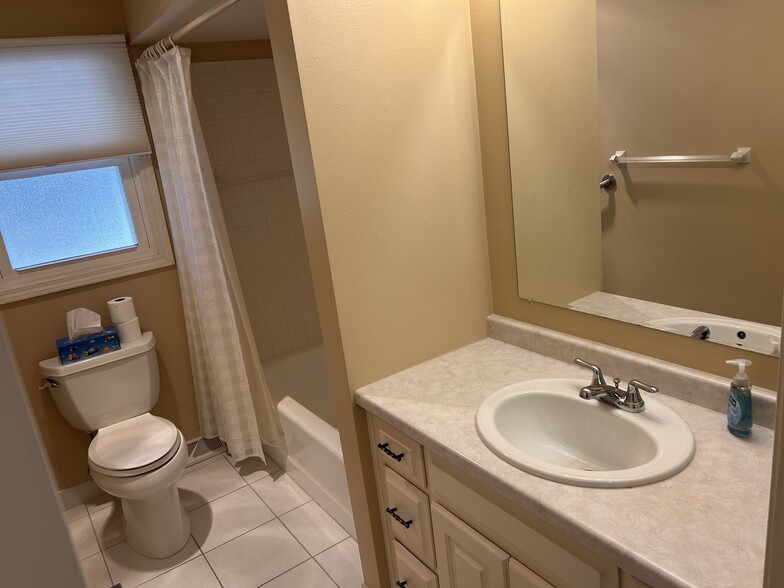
{"x":409,"y":571}
{"x":466,"y":559}
{"x":521,"y":577}
{"x":399,"y":452}
{"x":407,"y":516}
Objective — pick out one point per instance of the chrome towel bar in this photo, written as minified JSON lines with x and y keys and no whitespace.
{"x":742,"y":155}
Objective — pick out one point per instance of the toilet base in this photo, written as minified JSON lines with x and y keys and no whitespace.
{"x":156,"y":526}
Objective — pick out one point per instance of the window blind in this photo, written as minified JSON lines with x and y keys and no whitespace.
{"x":66,"y":100}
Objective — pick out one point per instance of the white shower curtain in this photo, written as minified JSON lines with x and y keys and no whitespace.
{"x":232,"y":397}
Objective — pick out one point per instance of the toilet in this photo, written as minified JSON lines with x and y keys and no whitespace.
{"x":134,"y":455}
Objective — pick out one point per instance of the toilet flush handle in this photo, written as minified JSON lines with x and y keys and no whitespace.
{"x":49,"y":383}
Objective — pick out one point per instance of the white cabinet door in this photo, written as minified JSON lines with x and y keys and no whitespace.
{"x":464,"y":558}
{"x":521,"y":577}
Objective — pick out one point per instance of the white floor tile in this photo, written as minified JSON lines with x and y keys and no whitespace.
{"x":280,"y":493}
{"x":108,"y":525}
{"x":132,"y":569}
{"x":256,"y":557}
{"x":202,"y":485}
{"x":341,"y":562}
{"x":77,"y":512}
{"x":83,"y":537}
{"x":228,"y":517}
{"x":194,"y":574}
{"x":253,"y":469}
{"x":95,"y":573}
{"x":313,"y":527}
{"x":307,"y":575}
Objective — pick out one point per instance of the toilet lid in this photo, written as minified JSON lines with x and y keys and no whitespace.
{"x":133,"y":446}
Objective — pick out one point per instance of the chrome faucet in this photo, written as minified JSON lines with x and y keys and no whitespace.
{"x":599,"y":389}
{"x":702,"y":332}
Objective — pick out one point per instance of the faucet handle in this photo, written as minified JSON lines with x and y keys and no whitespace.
{"x":598,"y":377}
{"x":633,"y":396}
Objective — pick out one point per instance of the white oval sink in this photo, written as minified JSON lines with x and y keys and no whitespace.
{"x":545,"y":428}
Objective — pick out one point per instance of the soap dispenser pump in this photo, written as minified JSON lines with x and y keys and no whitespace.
{"x":739,"y":404}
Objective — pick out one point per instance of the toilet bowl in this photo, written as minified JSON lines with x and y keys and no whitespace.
{"x":140,"y":463}
{"x":134,"y":455}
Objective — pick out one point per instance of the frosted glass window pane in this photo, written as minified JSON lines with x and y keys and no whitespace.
{"x":55,"y":217}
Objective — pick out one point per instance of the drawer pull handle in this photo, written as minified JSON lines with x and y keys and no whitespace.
{"x":402,"y":584}
{"x":393,"y":513}
{"x":385,"y":448}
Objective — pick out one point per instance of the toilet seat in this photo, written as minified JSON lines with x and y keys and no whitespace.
{"x":134,"y":446}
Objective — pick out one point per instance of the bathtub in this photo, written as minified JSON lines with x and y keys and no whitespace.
{"x":314,"y":459}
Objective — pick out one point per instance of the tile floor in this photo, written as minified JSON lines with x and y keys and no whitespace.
{"x":250,"y":526}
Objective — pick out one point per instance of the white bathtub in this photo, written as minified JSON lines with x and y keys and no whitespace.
{"x":314,"y":459}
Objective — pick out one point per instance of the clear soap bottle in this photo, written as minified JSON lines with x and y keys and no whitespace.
{"x":739,"y":404}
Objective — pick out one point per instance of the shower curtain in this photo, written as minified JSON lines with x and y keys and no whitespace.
{"x":232,"y":397}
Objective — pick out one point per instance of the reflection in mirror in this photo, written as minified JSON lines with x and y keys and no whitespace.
{"x":695,"y":248}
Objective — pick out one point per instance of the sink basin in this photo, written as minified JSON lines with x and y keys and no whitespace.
{"x":733,"y":332}
{"x":545,"y":428}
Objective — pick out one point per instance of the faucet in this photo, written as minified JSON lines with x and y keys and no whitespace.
{"x":599,"y":389}
{"x":702,"y":332}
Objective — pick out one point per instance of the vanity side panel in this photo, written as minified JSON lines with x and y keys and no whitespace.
{"x":550,"y":554}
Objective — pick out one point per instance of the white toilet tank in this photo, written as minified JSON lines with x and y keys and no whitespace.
{"x":105,"y":389}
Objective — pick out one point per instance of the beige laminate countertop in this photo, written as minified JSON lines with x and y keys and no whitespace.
{"x":704,"y":527}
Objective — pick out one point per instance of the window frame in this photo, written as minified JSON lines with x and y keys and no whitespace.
{"x":152,"y":252}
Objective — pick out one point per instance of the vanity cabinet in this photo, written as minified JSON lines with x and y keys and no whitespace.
{"x":444,"y":529}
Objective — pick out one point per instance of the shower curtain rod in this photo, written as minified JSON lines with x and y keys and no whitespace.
{"x":200,"y":20}
{"x":167,"y":43}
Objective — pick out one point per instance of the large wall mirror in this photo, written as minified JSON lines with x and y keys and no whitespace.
{"x":692,"y":247}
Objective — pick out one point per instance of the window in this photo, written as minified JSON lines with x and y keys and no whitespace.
{"x":68,"y":225}
{"x":79,"y":201}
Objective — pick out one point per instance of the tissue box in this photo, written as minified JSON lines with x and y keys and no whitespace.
{"x":72,"y":350}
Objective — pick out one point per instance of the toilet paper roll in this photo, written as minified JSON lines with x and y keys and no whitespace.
{"x":121,"y":310}
{"x":129,"y":331}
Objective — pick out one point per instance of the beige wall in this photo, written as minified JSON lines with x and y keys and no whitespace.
{"x":391,"y":110}
{"x":44,"y":18}
{"x":550,"y":73}
{"x":501,"y":238}
{"x":33,"y":325}
{"x":676,"y":78}
{"x":387,"y":168}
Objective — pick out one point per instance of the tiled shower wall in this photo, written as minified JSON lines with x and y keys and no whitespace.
{"x":241,"y":116}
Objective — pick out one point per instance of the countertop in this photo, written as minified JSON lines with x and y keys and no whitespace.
{"x":703,"y":527}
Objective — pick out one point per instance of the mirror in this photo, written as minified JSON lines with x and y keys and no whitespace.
{"x":695,"y":248}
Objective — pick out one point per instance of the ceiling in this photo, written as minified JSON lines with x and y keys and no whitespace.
{"x":243,"y":21}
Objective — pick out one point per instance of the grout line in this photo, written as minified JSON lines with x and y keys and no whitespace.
{"x":334,"y":581}
{"x":282,"y":573}
{"x":323,"y":568}
{"x":248,"y":531}
{"x":173,"y":567}
{"x":108,"y":571}
{"x":214,"y":573}
{"x":313,"y":555}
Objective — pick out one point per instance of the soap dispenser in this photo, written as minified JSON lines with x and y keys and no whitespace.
{"x":739,"y":405}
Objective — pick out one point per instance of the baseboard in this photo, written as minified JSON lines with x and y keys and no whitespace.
{"x":76,"y":495}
